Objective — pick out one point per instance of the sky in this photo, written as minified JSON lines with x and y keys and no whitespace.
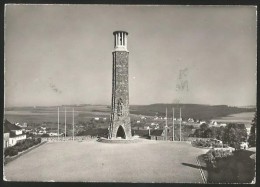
{"x":62,"y":54}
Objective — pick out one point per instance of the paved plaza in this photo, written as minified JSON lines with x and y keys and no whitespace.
{"x":92,"y":161}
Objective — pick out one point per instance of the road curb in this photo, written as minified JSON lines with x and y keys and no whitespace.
{"x":204,"y":179}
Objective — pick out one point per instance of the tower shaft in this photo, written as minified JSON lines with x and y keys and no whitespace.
{"x":120,"y":120}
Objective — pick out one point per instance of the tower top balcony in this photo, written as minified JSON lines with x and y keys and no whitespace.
{"x":120,"y":40}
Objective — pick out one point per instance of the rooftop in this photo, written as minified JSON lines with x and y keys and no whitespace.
{"x":8,"y":126}
{"x":156,"y":132}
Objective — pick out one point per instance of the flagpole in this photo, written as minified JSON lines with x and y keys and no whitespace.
{"x":65,"y":134}
{"x":180,"y":124}
{"x":58,"y":123}
{"x":73,"y":124}
{"x":172,"y":124}
{"x":166,"y":125}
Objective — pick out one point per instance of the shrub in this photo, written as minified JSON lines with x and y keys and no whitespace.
{"x":7,"y":151}
{"x":216,"y":145}
{"x":39,"y":140}
{"x":209,"y":158}
{"x":207,"y":143}
{"x":21,"y":146}
{"x":201,"y":143}
{"x":10,"y":151}
{"x":225,"y":145}
{"x":13,"y":152}
{"x":45,"y":135}
{"x":35,"y":141}
{"x":213,"y":155}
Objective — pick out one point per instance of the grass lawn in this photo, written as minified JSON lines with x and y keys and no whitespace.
{"x":92,"y":161}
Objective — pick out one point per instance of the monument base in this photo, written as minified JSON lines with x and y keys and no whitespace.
{"x":118,"y":140}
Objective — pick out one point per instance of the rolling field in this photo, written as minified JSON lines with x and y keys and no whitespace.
{"x":92,"y":161}
{"x":40,"y":115}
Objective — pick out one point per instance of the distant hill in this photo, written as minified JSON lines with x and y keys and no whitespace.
{"x":196,"y":111}
{"x":248,"y":106}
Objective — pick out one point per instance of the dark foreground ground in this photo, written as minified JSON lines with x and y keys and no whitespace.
{"x":92,"y":161}
{"x":236,"y":169}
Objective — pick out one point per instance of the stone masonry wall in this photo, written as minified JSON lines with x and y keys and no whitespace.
{"x":120,"y":95}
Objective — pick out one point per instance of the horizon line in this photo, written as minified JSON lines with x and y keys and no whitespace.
{"x":77,"y":105}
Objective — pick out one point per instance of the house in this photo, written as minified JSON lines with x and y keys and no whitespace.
{"x":43,"y":131}
{"x":154,"y":124}
{"x":159,"y":134}
{"x":248,"y":129}
{"x":214,"y":123}
{"x":179,"y":119}
{"x":141,"y":133}
{"x":53,"y":134}
{"x":28,"y":129}
{"x":6,"y":137}
{"x":156,"y":134}
{"x":22,"y":125}
{"x":223,"y":125}
{"x":244,"y":145}
{"x":43,"y":128}
{"x":202,"y":122}
{"x":16,"y":133}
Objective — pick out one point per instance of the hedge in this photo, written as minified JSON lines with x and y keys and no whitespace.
{"x":21,"y":146}
{"x":207,"y":143}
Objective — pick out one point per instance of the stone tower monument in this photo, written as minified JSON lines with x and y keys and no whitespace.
{"x":120,"y":120}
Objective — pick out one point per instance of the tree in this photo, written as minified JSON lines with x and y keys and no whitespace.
{"x":204,"y":126}
{"x":208,"y":133}
{"x":220,"y":132}
{"x":252,"y":136}
{"x":198,"y":133}
{"x":235,"y":134}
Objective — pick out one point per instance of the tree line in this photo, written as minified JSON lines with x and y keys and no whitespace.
{"x":232,"y":134}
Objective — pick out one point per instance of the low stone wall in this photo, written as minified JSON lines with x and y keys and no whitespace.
{"x":70,"y":138}
{"x":230,"y":149}
{"x":9,"y":159}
